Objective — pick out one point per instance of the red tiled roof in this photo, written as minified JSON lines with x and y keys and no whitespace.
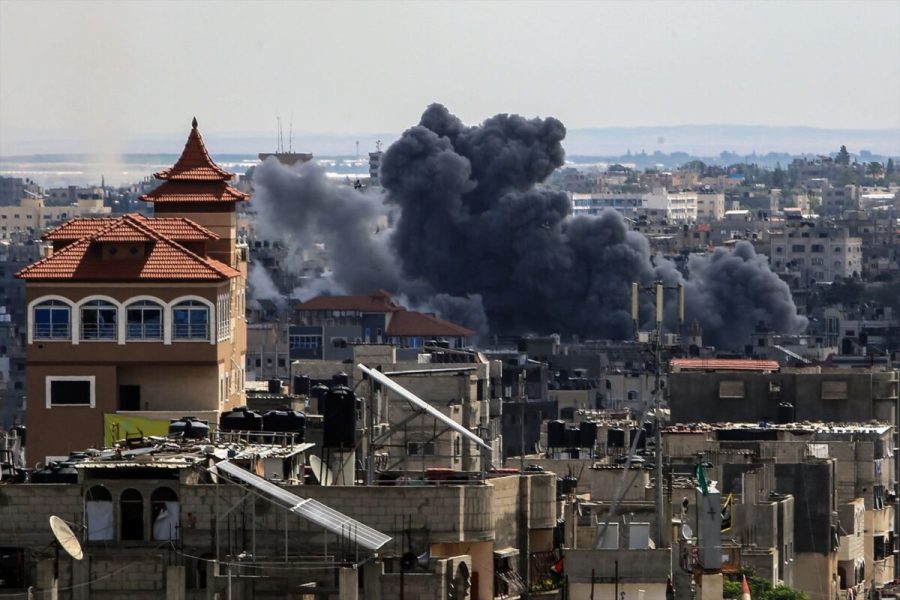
{"x":412,"y":323}
{"x":178,"y":229}
{"x":195,"y":163}
{"x":166,"y":261}
{"x":723,"y":364}
{"x":379,"y":301}
{"x":194,"y":191}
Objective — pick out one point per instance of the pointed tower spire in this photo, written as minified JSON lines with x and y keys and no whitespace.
{"x":194,"y":123}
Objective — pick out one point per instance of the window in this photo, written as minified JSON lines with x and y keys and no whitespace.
{"x":98,"y":514}
{"x":164,"y":512}
{"x":731,"y":389}
{"x":70,"y":391}
{"x":223,"y":307}
{"x":798,"y":248}
{"x":191,"y":320}
{"x":51,"y":320}
{"x":144,"y":320}
{"x":131,"y":515}
{"x":98,"y":320}
{"x":420,"y":448}
{"x":306,"y":342}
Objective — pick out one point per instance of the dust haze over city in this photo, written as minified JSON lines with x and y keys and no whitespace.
{"x":509,"y":299}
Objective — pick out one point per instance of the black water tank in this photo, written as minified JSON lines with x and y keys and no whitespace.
{"x":241,"y":419}
{"x":785,"y":413}
{"x":640,"y":434}
{"x":302,"y":385}
{"x":588,"y":432}
{"x":284,"y":421}
{"x":56,"y":473}
{"x":573,"y":437}
{"x":189,"y":427}
{"x":615,"y":437}
{"x":569,"y":485}
{"x":274,"y":386}
{"x":339,"y":418}
{"x":340,"y":379}
{"x":556,"y":432}
{"x":319,"y":391}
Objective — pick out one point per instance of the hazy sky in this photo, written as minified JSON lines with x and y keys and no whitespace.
{"x":96,"y":70}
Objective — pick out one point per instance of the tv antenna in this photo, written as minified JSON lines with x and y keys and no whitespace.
{"x":66,"y":538}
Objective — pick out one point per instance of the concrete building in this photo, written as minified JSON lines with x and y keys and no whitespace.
{"x":816,"y":254}
{"x":32,"y":215}
{"x":136,"y":315}
{"x":171,"y":524}
{"x":13,"y":189}
{"x":326,"y":327}
{"x":836,"y":200}
{"x":710,"y":205}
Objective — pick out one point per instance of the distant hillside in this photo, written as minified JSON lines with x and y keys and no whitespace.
{"x":696,"y":140}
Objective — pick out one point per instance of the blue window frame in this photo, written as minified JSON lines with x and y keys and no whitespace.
{"x":190,"y":320}
{"x":52,"y":321}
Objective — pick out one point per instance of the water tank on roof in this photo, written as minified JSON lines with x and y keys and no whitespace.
{"x":339,"y":418}
{"x":615,"y":437}
{"x":556,"y":434}
{"x":319,"y":391}
{"x":189,"y":427}
{"x":302,"y":385}
{"x":573,"y":437}
{"x":785,"y":413}
{"x":274,"y":386}
{"x":588,"y":434}
{"x":241,"y":419}
{"x":61,"y":472}
{"x":640,"y":434}
{"x":284,"y":421}
{"x":340,"y":379}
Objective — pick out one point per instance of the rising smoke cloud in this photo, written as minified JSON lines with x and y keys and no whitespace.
{"x":478,"y":241}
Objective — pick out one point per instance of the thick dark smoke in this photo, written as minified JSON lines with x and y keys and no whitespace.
{"x":300,"y":206}
{"x":472,"y":221}
{"x":477,"y":241}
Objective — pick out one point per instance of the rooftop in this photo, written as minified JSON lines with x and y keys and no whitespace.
{"x":723,"y":364}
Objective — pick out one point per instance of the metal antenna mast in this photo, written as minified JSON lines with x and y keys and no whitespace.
{"x":655,"y":343}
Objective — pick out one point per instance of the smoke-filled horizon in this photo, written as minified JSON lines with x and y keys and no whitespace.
{"x":477,"y":241}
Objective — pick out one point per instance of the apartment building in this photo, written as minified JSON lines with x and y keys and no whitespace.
{"x":710,"y":205}
{"x":816,"y":253}
{"x":32,"y":214}
{"x":138,"y":315}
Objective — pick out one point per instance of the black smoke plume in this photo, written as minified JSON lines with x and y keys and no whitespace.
{"x":477,"y":240}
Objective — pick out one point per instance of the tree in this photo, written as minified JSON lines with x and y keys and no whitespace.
{"x":843,"y":157}
{"x":779,"y":177}
{"x":890,"y":167}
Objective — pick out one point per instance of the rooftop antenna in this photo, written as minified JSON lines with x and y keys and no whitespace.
{"x":378,"y":145}
{"x":357,"y":149}
{"x":291,"y":135}
{"x":66,"y":538}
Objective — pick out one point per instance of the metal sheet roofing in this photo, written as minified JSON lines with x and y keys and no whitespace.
{"x":723,"y":364}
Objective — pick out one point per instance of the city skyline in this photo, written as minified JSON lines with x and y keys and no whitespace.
{"x":136,"y":69}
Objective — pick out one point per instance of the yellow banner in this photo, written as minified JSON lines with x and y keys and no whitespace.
{"x":116,"y":427}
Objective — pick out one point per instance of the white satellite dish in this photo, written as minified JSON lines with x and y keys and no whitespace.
{"x":686,"y":532}
{"x":320,"y":470}
{"x":66,"y":538}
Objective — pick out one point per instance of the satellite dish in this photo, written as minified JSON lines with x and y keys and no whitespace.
{"x":686,"y":532}
{"x":322,"y":472}
{"x":66,"y":538}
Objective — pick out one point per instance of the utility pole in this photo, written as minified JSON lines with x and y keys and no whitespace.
{"x":523,"y":399}
{"x":655,"y":343}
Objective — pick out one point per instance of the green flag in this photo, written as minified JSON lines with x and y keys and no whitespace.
{"x":702,"y":483}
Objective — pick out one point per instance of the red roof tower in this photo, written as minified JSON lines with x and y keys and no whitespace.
{"x":196,"y":188}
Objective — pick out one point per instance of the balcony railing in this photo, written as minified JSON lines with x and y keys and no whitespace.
{"x":103,"y":331}
{"x":192,"y":331}
{"x":144,"y":331}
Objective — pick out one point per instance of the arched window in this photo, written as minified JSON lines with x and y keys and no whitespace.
{"x":190,"y":320}
{"x":145,"y":321}
{"x":131,"y":515}
{"x":164,"y":511}
{"x":98,"y":320}
{"x":98,"y":514}
{"x":52,"y":320}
